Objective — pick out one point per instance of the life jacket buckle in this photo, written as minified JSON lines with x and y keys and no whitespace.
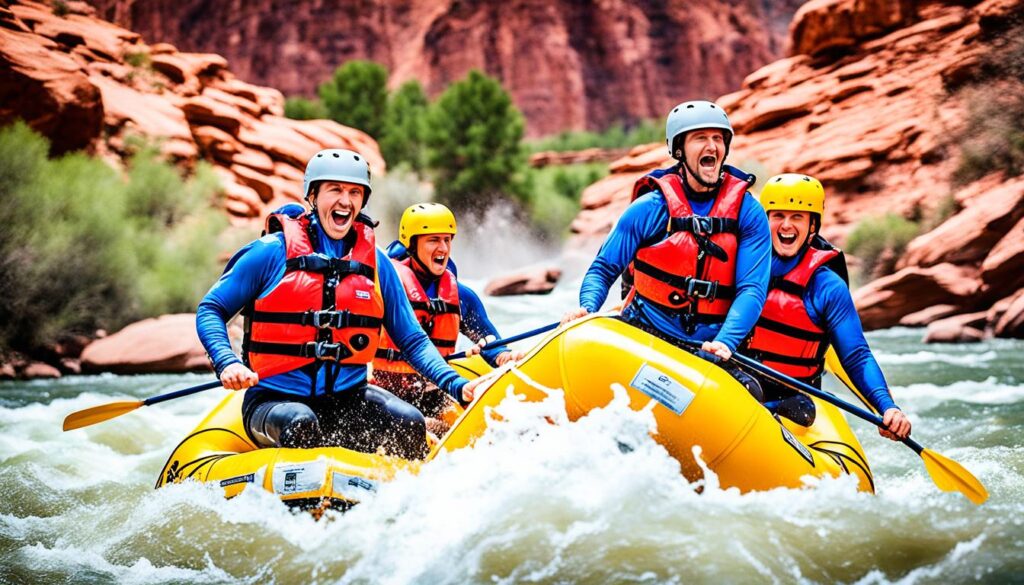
{"x":702,"y":226}
{"x":323,"y":350}
{"x":436,"y":306}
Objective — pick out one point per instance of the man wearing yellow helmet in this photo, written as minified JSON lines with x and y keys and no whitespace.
{"x":809,"y":307}
{"x":443,"y":306}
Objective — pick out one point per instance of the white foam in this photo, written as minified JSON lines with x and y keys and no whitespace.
{"x":974,"y":360}
{"x":987,"y":391}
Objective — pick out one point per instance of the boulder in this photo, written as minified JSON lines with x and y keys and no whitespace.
{"x":883,"y":302}
{"x":147,"y":114}
{"x":535,"y":281}
{"x":1004,"y":265}
{"x":927,"y":315}
{"x":968,"y":236}
{"x":957,"y":329}
{"x":1011,"y":323}
{"x":998,"y":309}
{"x":39,"y":370}
{"x":164,"y":344}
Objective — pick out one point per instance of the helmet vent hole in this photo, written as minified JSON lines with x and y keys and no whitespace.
{"x":319,"y":155}
{"x":356,"y":157}
{"x":689,"y":107}
{"x":675,"y":110}
{"x":336,"y":155}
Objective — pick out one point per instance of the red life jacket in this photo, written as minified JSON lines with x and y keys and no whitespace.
{"x":693,"y":270}
{"x":439,"y":317}
{"x":784,"y":337}
{"x":323,"y":308}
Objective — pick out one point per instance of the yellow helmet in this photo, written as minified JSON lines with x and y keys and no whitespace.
{"x":793,"y":192}
{"x":425,"y":218}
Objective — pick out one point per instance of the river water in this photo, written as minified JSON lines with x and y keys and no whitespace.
{"x":567,"y":506}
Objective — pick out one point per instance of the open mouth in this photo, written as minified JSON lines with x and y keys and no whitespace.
{"x":708,"y":161}
{"x":787,"y":239}
{"x":341,"y":217}
{"x":440,"y":260}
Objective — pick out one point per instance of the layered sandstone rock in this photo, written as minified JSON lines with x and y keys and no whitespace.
{"x":865,"y":105}
{"x":568,"y":65}
{"x":164,"y":344}
{"x":88,"y":84}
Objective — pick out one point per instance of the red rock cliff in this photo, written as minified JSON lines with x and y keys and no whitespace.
{"x":867,"y":104}
{"x":567,"y":64}
{"x":88,"y":84}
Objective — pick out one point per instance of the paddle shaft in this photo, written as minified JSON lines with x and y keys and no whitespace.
{"x":795,"y":384}
{"x":511,"y":339}
{"x":179,"y":393}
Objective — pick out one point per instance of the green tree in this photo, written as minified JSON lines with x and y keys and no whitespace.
{"x":357,"y":96}
{"x":473,"y":137}
{"x":300,"y":108}
{"x":405,"y":127}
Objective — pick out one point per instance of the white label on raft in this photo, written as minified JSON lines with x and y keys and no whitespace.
{"x":352,"y":487}
{"x":663,"y":388}
{"x":800,"y":447}
{"x":297,"y":478}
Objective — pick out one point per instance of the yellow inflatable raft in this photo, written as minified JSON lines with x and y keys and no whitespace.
{"x":696,"y":403}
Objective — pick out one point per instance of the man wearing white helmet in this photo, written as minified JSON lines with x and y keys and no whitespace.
{"x":315,"y":291}
{"x":696,"y":241}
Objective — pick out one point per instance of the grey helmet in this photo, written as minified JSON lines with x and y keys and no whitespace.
{"x":695,"y":115}
{"x":337,"y":164}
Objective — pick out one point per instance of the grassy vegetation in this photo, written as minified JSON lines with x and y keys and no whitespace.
{"x":879,"y":241}
{"x":84,"y":247}
{"x":616,"y":136}
{"x":553,"y":194}
{"x":993,"y":137}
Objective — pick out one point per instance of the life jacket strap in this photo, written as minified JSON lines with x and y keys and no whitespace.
{"x":320,"y":350}
{"x":324,"y":265}
{"x":694,"y":287}
{"x":320,"y":319}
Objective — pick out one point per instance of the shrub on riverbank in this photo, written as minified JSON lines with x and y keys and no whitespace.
{"x":83,"y":247}
{"x":615,"y":136}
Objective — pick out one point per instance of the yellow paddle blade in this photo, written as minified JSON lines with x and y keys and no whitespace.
{"x":91,"y":416}
{"x":950,"y":476}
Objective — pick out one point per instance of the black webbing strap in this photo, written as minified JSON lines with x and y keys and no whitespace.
{"x":789,"y":330}
{"x":324,"y":265}
{"x":314,"y":349}
{"x":787,"y":286}
{"x":319,"y":319}
{"x":435,"y":307}
{"x":694,"y":287}
{"x":704,"y":226}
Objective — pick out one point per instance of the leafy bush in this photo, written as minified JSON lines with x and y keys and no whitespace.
{"x":85,"y":248}
{"x":554,"y":194}
{"x":616,"y":136}
{"x":473,"y":134}
{"x":300,"y":108}
{"x":405,"y":127}
{"x":879,"y":241}
{"x":357,"y":96}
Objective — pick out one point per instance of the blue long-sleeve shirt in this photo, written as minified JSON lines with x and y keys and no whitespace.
{"x":830,"y":307}
{"x":643,"y":223}
{"x":253,"y":273}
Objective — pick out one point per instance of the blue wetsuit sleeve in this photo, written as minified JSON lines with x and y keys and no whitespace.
{"x":753,"y":271}
{"x":475,"y":323}
{"x":251,"y":273}
{"x":831,"y":298}
{"x":642,"y":222}
{"x":401,"y":324}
